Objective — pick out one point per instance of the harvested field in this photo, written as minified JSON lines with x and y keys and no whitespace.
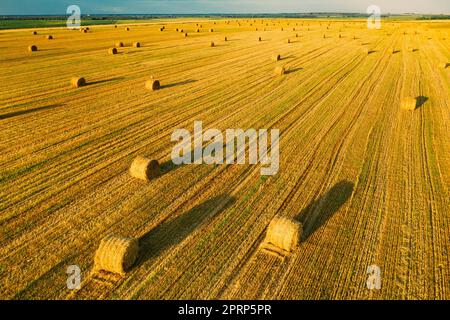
{"x":368,"y":181}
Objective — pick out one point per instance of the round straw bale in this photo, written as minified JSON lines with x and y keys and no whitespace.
{"x":212,"y":44}
{"x":115,"y":27}
{"x":280,"y":71}
{"x":284,"y":233}
{"x":49,"y":37}
{"x":408,"y":103}
{"x":116,"y":254}
{"x":211,"y":30}
{"x":32,"y":48}
{"x":112,"y":51}
{"x":198,"y":30}
{"x":137,"y":44}
{"x":276,"y":57}
{"x":161,"y":29}
{"x":259,"y":39}
{"x":127,"y":29}
{"x":288,"y":41}
{"x":225,"y":39}
{"x":119,"y":44}
{"x":153,"y":85}
{"x":34,"y":33}
{"x":84,"y":31}
{"x":77,"y":82}
{"x":144,"y":169}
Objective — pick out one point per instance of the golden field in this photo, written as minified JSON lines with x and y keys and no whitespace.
{"x":369,"y":182}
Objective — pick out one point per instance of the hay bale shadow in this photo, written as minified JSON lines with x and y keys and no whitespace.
{"x":104,"y":81}
{"x":168,"y":234}
{"x":420,"y":101}
{"x":293,"y":70}
{"x":176,"y":84}
{"x":22,"y":112}
{"x":321,"y":210}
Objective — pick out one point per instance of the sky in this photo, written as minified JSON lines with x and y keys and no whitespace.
{"x":58,"y":7}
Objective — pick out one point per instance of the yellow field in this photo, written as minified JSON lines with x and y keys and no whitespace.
{"x":370,"y":182}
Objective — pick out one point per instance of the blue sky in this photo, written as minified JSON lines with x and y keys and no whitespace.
{"x":220,"y":6}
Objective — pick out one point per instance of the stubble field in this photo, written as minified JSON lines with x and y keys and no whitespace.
{"x":369,"y":182}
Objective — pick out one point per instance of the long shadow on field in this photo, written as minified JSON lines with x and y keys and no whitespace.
{"x":322,"y":209}
{"x":293,"y":70}
{"x":421,"y":101}
{"x":104,"y":81}
{"x":22,"y":112}
{"x":176,"y":84}
{"x":170,"y":233}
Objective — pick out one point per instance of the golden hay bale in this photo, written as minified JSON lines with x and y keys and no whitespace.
{"x":211,"y":30}
{"x":276,"y":57}
{"x":32,"y":48}
{"x":77,"y":82}
{"x":115,"y":26}
{"x":161,"y":29}
{"x":288,"y":41}
{"x":49,"y":37}
{"x":212,"y":44}
{"x":296,"y":35}
{"x":112,"y":51}
{"x":85,"y":31}
{"x":116,"y":254}
{"x":119,"y":44}
{"x":143,"y":168}
{"x":198,"y":30}
{"x":137,"y":44}
{"x":259,"y":39}
{"x":280,"y":71}
{"x":408,"y":103}
{"x":34,"y":33}
{"x":225,"y":39}
{"x":127,"y":29}
{"x":284,"y":234}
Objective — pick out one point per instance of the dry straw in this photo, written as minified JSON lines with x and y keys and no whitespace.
{"x":280,"y":71}
{"x":116,"y":254}
{"x":137,"y":44}
{"x":225,"y":39}
{"x":119,"y":44}
{"x":408,"y":103}
{"x":212,"y":44}
{"x":34,"y":33}
{"x":127,"y":29}
{"x":284,"y":234}
{"x":77,"y":82}
{"x":32,"y":48}
{"x":112,"y":51}
{"x":276,"y":57}
{"x":143,"y":168}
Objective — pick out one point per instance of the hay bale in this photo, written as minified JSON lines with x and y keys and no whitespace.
{"x":212,"y":44}
{"x":119,"y":44}
{"x":198,"y":30}
{"x":112,"y":51}
{"x":49,"y":37}
{"x":127,"y":29}
{"x":143,"y":168}
{"x":116,"y":254}
{"x":77,"y":82}
{"x":225,"y":39}
{"x":115,"y":27}
{"x":288,"y":41}
{"x":259,"y":39}
{"x":137,"y":44}
{"x":408,"y":103}
{"x":211,"y":30}
{"x":32,"y":48}
{"x":85,"y":31}
{"x":34,"y":33}
{"x":186,"y":35}
{"x":152,"y":84}
{"x":276,"y":57}
{"x":161,"y":29}
{"x":284,"y":234}
{"x":280,"y":71}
